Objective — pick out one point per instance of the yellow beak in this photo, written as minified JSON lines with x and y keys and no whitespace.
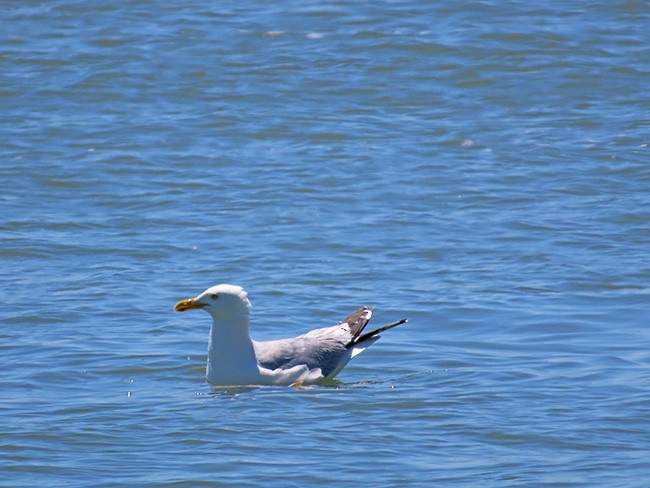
{"x":188,"y":304}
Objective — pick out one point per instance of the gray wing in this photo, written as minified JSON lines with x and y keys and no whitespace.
{"x":320,"y":348}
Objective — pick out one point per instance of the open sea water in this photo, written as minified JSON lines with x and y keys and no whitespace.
{"x":479,"y":167}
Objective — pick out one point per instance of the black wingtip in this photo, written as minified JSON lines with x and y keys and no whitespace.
{"x":375,"y":332}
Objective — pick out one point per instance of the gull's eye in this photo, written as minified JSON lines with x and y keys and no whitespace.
{"x":214,"y":296}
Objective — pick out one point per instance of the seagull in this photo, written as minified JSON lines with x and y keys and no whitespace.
{"x":234,"y":359}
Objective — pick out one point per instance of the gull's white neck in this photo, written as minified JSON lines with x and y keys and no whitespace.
{"x":231,"y":356}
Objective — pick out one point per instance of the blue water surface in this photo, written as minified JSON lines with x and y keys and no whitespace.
{"x":478,"y":167}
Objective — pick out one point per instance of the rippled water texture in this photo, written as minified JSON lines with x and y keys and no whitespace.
{"x":478,"y":167}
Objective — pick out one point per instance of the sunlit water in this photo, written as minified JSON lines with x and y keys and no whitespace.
{"x":480,"y":168}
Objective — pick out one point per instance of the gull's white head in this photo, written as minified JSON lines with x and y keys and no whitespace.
{"x":221,"y":301}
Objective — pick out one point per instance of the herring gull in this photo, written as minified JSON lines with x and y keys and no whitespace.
{"x":235,"y":359}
